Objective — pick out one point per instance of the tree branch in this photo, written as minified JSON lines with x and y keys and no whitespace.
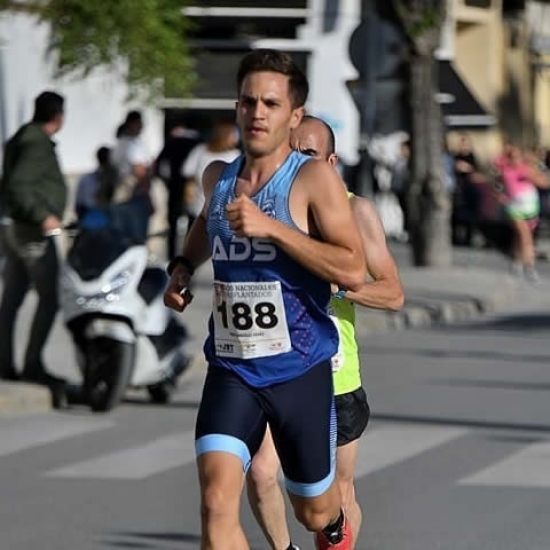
{"x":22,"y":6}
{"x":422,"y":21}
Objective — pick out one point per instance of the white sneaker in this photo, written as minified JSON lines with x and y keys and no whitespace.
{"x":531,"y":275}
{"x":516,"y":269}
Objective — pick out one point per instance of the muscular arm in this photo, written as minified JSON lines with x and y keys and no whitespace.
{"x":385,"y":291}
{"x":538,"y":178}
{"x":196,"y":247}
{"x":338,"y":256}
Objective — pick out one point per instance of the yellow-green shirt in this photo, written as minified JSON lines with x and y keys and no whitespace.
{"x":346,"y":369}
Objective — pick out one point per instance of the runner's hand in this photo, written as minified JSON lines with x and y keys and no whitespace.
{"x":246,"y":219}
{"x":177,"y":295}
{"x":50,"y":224}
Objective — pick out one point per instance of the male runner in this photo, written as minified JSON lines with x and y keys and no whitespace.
{"x":315,"y":138}
{"x":278,"y":227}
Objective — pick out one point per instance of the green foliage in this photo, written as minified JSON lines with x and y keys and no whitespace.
{"x":145,"y":40}
{"x":420,"y":17}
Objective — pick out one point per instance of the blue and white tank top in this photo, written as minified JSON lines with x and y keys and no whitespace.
{"x":269,"y":321}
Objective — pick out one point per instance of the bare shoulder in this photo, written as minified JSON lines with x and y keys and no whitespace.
{"x":315,"y":173}
{"x":212,"y":173}
{"x":210,"y":178}
{"x":366,"y":214}
{"x":320,"y":184}
{"x":363,"y":207}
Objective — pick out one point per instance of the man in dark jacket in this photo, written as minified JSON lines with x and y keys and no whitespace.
{"x":33,"y":196}
{"x":168,"y":166}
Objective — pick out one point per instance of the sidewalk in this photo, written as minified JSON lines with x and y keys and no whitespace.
{"x":445,"y":296}
{"x":433,"y":296}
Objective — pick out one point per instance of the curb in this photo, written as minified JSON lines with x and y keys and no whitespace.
{"x":431,"y":313}
{"x":24,"y":398}
{"x":17,"y":398}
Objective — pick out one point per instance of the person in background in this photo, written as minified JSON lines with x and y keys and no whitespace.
{"x":315,"y":138}
{"x":447,"y":168}
{"x":33,"y":195}
{"x":401,"y":173}
{"x":95,"y":189}
{"x":520,"y":178}
{"x":467,"y":195}
{"x":222,"y":145}
{"x":132,"y":206}
{"x":168,"y":165}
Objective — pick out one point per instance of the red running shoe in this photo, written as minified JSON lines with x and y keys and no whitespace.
{"x":322,"y":542}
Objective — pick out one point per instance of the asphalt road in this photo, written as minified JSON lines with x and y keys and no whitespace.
{"x":456,"y":457}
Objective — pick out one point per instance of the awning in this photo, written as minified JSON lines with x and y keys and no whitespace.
{"x":460,"y":108}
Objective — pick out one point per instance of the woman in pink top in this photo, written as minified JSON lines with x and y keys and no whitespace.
{"x":520,"y":179}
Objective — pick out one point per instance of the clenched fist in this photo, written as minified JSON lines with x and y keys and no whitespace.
{"x":247,"y":220}
{"x":177,"y":295}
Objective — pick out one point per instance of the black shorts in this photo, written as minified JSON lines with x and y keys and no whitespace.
{"x":352,"y":413}
{"x":233,"y":417}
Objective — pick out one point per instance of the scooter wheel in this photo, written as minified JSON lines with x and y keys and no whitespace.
{"x":108,"y":369}
{"x":161,"y":393}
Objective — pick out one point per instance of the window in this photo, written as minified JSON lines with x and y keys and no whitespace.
{"x":478,"y":3}
{"x":513,"y":5}
{"x":244,"y":28}
{"x":217,"y":72}
{"x":292,"y":4}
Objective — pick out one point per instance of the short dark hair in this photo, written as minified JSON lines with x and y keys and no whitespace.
{"x":277,"y":62}
{"x":103,"y":155}
{"x":120,"y":130}
{"x":328,"y":128}
{"x":133,"y":116}
{"x":47,"y":106}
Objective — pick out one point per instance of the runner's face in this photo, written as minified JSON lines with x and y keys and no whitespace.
{"x":264,"y":113}
{"x":309,"y":140}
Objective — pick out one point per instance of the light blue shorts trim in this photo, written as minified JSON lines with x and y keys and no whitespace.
{"x":310,"y":490}
{"x":224,"y":443}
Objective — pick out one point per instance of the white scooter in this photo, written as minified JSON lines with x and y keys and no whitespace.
{"x":112,"y":301}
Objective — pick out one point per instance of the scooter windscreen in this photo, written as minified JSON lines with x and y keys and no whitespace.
{"x":94,"y":250}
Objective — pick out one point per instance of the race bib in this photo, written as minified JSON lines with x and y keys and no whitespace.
{"x":337,"y":360}
{"x":249,"y":320}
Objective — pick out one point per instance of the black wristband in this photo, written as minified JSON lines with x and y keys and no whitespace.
{"x":180,"y":260}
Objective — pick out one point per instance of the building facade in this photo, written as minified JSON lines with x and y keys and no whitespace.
{"x":494,"y":73}
{"x":315,"y":32}
{"x":500,"y":49}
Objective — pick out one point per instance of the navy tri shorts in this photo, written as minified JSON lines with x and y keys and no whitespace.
{"x":352,"y":413}
{"x":233,"y":418}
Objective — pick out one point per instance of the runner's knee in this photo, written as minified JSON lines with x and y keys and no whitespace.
{"x":318,"y":512}
{"x":220,"y":487}
{"x":263,"y":471}
{"x":314,"y":518}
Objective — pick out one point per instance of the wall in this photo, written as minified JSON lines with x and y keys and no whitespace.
{"x":95,"y":105}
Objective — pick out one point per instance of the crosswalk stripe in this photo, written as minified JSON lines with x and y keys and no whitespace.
{"x":384,"y":446}
{"x":529,"y":467}
{"x":389,"y":444}
{"x":27,"y":432}
{"x":137,"y":462}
